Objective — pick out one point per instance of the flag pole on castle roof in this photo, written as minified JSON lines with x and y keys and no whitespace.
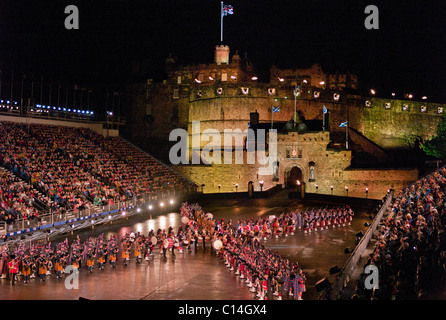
{"x":225,"y":10}
{"x":221,"y":23}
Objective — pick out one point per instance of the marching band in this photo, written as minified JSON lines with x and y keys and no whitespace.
{"x":238,"y":244}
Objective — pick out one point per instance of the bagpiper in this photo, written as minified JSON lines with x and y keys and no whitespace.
{"x":26,"y":269}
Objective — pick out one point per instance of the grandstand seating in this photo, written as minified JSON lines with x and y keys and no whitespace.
{"x":56,"y":169}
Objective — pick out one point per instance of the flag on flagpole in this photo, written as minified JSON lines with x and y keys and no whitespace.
{"x":325,"y":111}
{"x":227,"y":9}
{"x":344,"y":125}
{"x":273,"y":110}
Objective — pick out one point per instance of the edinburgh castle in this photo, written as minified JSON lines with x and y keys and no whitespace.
{"x":315,"y":153}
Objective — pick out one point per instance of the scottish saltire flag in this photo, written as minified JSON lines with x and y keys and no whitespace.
{"x":276,"y":109}
{"x":325,"y":110}
{"x":343,"y":124}
{"x":227,"y":9}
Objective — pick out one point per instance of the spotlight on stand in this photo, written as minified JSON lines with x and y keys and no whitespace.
{"x":359,"y":236}
{"x":322,"y":284}
{"x":334,"y":269}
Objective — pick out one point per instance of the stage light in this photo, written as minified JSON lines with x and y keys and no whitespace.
{"x":138,"y":210}
{"x":123,"y":213}
{"x":150,"y":207}
{"x":254,"y":78}
{"x":161,"y":204}
{"x":171,"y":201}
{"x":372,"y":91}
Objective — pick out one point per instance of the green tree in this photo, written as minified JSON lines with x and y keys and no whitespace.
{"x":437,"y":145}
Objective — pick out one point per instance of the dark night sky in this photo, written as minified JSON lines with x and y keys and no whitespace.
{"x":407,"y":53}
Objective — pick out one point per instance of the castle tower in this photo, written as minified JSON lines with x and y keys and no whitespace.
{"x":221,"y":54}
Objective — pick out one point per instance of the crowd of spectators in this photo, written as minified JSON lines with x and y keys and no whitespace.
{"x":56,"y":169}
{"x":410,"y":252}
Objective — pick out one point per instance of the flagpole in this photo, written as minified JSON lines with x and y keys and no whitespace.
{"x":346,"y":136}
{"x":272,"y":114}
{"x":323,"y":119}
{"x":295,"y":97}
{"x":221,"y":23}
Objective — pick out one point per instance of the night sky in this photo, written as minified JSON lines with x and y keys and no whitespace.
{"x":407,"y":53}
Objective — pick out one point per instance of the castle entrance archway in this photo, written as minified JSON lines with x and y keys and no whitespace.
{"x":294,"y":178}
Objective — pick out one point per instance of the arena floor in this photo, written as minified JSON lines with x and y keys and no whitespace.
{"x":199,"y":275}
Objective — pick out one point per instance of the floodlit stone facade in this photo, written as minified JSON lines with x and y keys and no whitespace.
{"x":222,"y":95}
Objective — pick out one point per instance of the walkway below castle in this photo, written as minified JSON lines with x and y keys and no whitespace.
{"x":199,"y":275}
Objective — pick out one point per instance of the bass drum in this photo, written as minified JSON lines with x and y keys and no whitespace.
{"x":218,"y":244}
{"x":185,"y":220}
{"x":166,"y":243}
{"x":154,"y":240}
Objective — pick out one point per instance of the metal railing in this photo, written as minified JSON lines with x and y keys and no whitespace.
{"x":49,"y":220}
{"x":3,"y":230}
{"x":346,"y":272}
